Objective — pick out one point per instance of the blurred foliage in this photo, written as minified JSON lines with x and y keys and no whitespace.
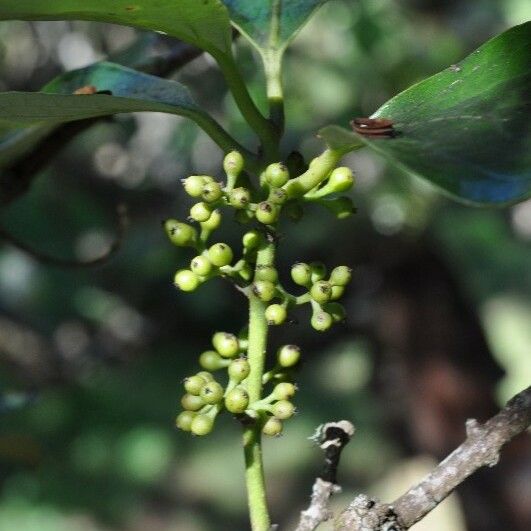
{"x":102,"y":352}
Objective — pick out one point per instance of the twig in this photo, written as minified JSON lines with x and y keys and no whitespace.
{"x":332,"y":438}
{"x":121,"y":226}
{"x":481,"y":448}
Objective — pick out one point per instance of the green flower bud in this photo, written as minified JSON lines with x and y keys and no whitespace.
{"x":284,"y":391}
{"x":239,"y":370}
{"x":251,"y":239}
{"x":336,"y":310}
{"x":321,"y":321}
{"x":194,"y":384}
{"x":202,"y":425}
{"x":233,"y":163}
{"x":212,"y":192}
{"x":318,"y":271}
{"x":201,"y":266}
{"x":267,"y":213}
{"x":193,"y":185}
{"x":201,"y":211}
{"x":278,"y":196}
{"x":266,"y":272}
{"x":272,"y":427}
{"x":180,"y":234}
{"x":186,"y":280}
{"x":212,"y":393}
{"x":207,"y":376}
{"x":220,"y":254}
{"x":337,"y":292}
{"x":276,"y":174}
{"x":211,"y":360}
{"x":184,"y":420}
{"x":340,"y":276}
{"x":321,"y":291}
{"x":341,"y":179}
{"x":240,"y":197}
{"x":275,"y":314}
{"x":237,"y":400}
{"x":226,"y":344}
{"x":301,"y":274}
{"x":264,"y":290}
{"x":283,"y":409}
{"x":192,"y":402}
{"x":213,"y":222}
{"x":288,"y":355}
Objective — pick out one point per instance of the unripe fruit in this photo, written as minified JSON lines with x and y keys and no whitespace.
{"x":337,"y":292}
{"x":180,"y":234}
{"x":207,"y":376}
{"x":200,"y":211}
{"x":266,"y":272}
{"x":275,"y":314}
{"x":284,"y":391}
{"x":336,"y":310}
{"x":264,"y":290}
{"x":341,"y":179}
{"x":186,"y":280}
{"x":201,"y":266}
{"x":267,"y":212}
{"x":212,"y":393}
{"x":240,"y":197}
{"x":321,"y":291}
{"x":211,"y":360}
{"x":278,"y":196}
{"x":213,"y":222}
{"x":272,"y":427}
{"x":239,"y":370}
{"x":251,"y":239}
{"x":194,"y":384}
{"x":184,"y":420}
{"x":192,"y":402}
{"x":318,"y":271}
{"x":193,"y":185}
{"x":276,"y":174}
{"x":226,"y":344}
{"x":301,"y":274}
{"x":220,"y":254}
{"x":283,"y":409}
{"x":340,"y":276}
{"x":202,"y":425}
{"x":288,"y":355}
{"x":321,"y":321}
{"x":233,"y":163}
{"x":237,"y":400}
{"x":212,"y":192}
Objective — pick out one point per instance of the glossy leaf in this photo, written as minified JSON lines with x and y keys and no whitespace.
{"x":203,"y":23}
{"x":466,"y":129}
{"x":271,"y":24}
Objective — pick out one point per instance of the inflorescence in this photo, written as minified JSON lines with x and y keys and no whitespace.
{"x":205,"y":397}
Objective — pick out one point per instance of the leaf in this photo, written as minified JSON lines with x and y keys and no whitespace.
{"x":466,"y":129}
{"x":203,"y":23}
{"x":131,"y":91}
{"x":271,"y":24}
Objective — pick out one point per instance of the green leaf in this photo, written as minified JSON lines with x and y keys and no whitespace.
{"x":466,"y":129}
{"x":203,"y":23}
{"x":271,"y":24}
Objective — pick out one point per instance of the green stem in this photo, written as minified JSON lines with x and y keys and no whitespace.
{"x":256,"y":353}
{"x":265,"y":129}
{"x":275,"y":94}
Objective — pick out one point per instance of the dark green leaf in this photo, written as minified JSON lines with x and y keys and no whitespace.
{"x":203,"y":23}
{"x":466,"y":129}
{"x":271,"y":24}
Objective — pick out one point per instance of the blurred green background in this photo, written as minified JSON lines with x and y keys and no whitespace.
{"x":92,"y":360}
